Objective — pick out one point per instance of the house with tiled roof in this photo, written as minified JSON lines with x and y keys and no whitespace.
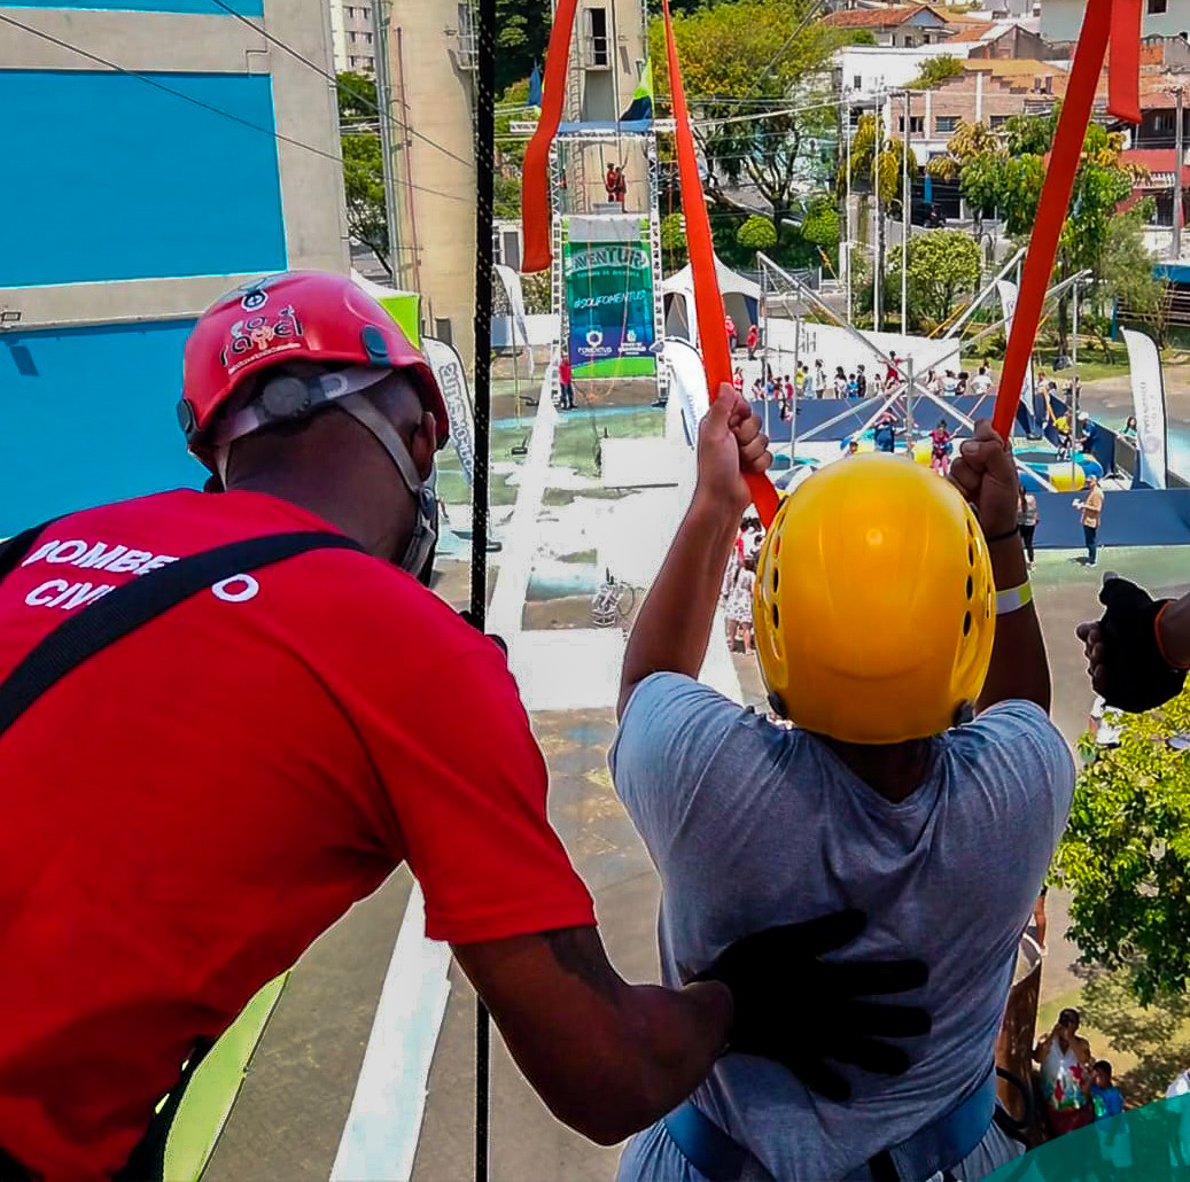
{"x":904,"y":26}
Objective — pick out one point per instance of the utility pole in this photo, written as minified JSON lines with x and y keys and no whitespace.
{"x":1177,"y":172}
{"x":878,"y":227}
{"x":847,"y":210}
{"x":906,"y":219}
{"x":381,"y":16}
{"x":1073,"y":408}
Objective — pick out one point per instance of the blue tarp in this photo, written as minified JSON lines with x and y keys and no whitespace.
{"x":636,"y":127}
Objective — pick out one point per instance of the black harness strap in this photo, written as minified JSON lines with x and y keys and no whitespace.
{"x":13,"y":552}
{"x":122,"y":611}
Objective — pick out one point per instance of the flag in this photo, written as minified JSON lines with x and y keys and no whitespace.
{"x":535,"y":91}
{"x":641,"y":108}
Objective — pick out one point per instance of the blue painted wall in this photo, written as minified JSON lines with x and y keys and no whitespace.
{"x":87,"y":416}
{"x":120,"y":180}
{"x":207,"y":7}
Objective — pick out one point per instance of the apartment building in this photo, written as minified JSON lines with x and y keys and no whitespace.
{"x":354,"y":36}
{"x":133,"y":198}
{"x":1061,"y":20}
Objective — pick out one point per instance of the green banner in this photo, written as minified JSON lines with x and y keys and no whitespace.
{"x":609,"y":300}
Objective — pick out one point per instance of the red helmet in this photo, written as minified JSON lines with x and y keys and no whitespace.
{"x":294,"y":316}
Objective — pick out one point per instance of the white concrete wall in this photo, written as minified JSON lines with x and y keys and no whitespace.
{"x":1061,"y":20}
{"x":878,"y":68}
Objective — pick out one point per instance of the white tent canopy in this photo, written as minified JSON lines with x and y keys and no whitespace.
{"x":741,"y":301}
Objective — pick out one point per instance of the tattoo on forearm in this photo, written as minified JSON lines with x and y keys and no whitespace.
{"x":580,"y":953}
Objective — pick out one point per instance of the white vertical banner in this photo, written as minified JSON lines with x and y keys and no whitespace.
{"x":1008,"y":294}
{"x":1148,"y":395}
{"x":516,"y":301}
{"x":452,"y":381}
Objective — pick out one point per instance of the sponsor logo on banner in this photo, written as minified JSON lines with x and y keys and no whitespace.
{"x":452,"y":381}
{"x":1148,"y":395}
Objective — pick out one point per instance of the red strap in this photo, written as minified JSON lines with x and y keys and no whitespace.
{"x":716,"y":356}
{"x":535,"y":182}
{"x":1121,"y":20}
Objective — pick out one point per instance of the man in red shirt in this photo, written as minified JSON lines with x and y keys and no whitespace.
{"x":188,"y":809}
{"x":566,"y":384}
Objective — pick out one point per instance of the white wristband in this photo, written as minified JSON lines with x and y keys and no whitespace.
{"x":1013,"y":599}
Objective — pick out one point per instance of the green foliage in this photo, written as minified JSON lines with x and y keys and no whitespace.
{"x":936,"y":70}
{"x":757,"y":233}
{"x":1128,"y":273}
{"x":1126,"y":855}
{"x":507,"y":198}
{"x":731,"y":50}
{"x":943,"y":265}
{"x":363,"y":165}
{"x":523,"y":32}
{"x":674,"y":252}
{"x":821,"y":225}
{"x":876,"y":162}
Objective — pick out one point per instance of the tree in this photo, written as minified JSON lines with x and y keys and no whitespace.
{"x":674,"y":251}
{"x":821,"y":227}
{"x":943,"y":264}
{"x":1126,"y":854}
{"x":936,"y":70}
{"x":1006,"y":170}
{"x":757,"y":233}
{"x":363,"y":165}
{"x":736,"y":76}
{"x":523,"y":33}
{"x":1128,"y":273}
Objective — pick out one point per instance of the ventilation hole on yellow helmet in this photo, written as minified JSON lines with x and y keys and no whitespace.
{"x":776,"y":617}
{"x":967,"y":624}
{"x":970,"y":586}
{"x":777,"y":547}
{"x":776,"y":579}
{"x":970,"y":555}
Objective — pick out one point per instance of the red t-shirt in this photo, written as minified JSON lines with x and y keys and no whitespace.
{"x":188,"y":810}
{"x":565,"y":372}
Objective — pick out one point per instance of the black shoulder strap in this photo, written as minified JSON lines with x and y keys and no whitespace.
{"x":13,"y":552}
{"x":137,"y":602}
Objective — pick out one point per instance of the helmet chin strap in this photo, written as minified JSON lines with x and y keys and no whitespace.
{"x":416,"y":559}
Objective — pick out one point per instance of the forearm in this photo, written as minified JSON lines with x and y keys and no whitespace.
{"x":1019,"y":667}
{"x":1175,"y":632}
{"x":674,"y":623}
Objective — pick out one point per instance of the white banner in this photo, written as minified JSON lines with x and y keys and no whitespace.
{"x":1008,"y":293}
{"x":516,"y":301}
{"x":452,"y":381}
{"x":1148,"y":394}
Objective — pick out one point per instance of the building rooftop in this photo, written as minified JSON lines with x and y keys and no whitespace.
{"x":886,"y":16}
{"x":983,"y":31}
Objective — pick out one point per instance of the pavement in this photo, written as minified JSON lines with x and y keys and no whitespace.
{"x":302,"y":1083}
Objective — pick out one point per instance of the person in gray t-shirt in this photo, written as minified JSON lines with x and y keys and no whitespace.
{"x":884,"y":617}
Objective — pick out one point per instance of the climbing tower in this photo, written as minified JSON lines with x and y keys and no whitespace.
{"x":606,"y":275}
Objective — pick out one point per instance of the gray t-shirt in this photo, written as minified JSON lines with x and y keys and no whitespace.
{"x":751,"y":825}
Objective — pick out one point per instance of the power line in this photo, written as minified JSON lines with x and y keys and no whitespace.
{"x":339,"y":85}
{"x":270,"y":132}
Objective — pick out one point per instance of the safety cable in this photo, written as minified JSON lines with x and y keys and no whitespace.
{"x":485,"y":182}
{"x":388,"y":116}
{"x":272,"y":134}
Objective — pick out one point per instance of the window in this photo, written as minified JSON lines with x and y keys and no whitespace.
{"x":466,"y":47}
{"x":598,"y":46}
{"x":945,"y":124}
{"x":917,"y":124}
{"x":857,"y":83}
{"x":1156,"y":7}
{"x":997,"y":121}
{"x":367,"y":38}
{"x":1163,"y":121}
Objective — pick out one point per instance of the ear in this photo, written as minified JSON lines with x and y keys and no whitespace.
{"x":424,"y":445}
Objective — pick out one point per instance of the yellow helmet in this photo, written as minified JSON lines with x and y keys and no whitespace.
{"x":873,"y":606}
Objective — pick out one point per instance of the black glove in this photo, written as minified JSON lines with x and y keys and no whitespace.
{"x":799,"y":1010}
{"x":1136,"y":676}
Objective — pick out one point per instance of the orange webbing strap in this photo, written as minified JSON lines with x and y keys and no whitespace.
{"x":535,"y":178}
{"x":1119,"y":21}
{"x":716,"y":356}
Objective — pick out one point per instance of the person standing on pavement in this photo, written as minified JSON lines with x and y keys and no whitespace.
{"x":882,"y":795}
{"x":861,"y":382}
{"x":1091,"y":517}
{"x":246,"y":766}
{"x":1028,"y":518}
{"x":566,"y":382}
{"x":753,"y":341}
{"x":981,"y":383}
{"x":729,"y":327}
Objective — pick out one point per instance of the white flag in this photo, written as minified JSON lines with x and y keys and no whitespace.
{"x":1008,"y":293}
{"x":1148,"y":395}
{"x":452,"y":381}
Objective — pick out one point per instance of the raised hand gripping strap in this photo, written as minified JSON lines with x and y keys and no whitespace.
{"x":137,"y":602}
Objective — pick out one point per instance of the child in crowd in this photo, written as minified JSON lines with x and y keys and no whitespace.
{"x":1107,"y":1099}
{"x":739,"y":607}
